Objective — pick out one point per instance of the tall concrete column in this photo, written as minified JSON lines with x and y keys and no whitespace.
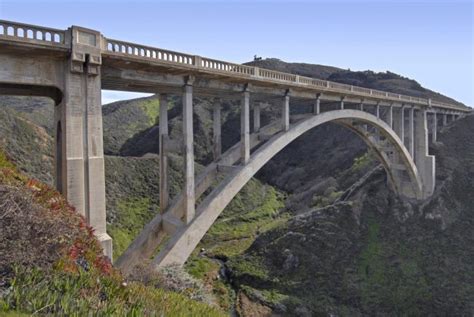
{"x":80,"y":136}
{"x":163,"y":125}
{"x":285,"y":112}
{"x":411,"y":131}
{"x":445,"y":119}
{"x":188,"y":140}
{"x":425,"y":163}
{"x":245,"y":127}
{"x":390,"y":116}
{"x":399,"y":123}
{"x":216,"y":130}
{"x":342,"y":103}
{"x":317,"y":105}
{"x":377,"y":110}
{"x":434,"y":128}
{"x":256,"y":117}
{"x":362,"y":106}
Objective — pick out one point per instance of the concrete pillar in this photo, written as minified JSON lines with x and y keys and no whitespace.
{"x":434,"y":128}
{"x":424,"y":163}
{"x":445,"y":119}
{"x":411,"y":132}
{"x":285,"y":113}
{"x":399,"y":123}
{"x":216,"y":130}
{"x":377,"y":110}
{"x":245,"y":127}
{"x":342,"y":103}
{"x":79,"y":129}
{"x":256,"y":118}
{"x":390,"y":116}
{"x":361,"y":106}
{"x":317,"y":105}
{"x":188,"y":140}
{"x":163,"y":125}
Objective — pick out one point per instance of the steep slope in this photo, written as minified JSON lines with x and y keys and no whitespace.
{"x":374,"y":254}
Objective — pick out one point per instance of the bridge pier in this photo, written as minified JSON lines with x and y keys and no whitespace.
{"x":317,"y":105}
{"x":399,"y":123}
{"x":256,"y":117}
{"x":188,"y":146}
{"x":245,"y":126}
{"x":285,"y":112}
{"x":434,"y":128}
{"x":411,"y":131}
{"x":341,"y":105}
{"x":216,"y":130}
{"x":163,"y":125}
{"x":425,"y":163}
{"x":80,"y":155}
{"x":445,"y":119}
{"x":390,"y":116}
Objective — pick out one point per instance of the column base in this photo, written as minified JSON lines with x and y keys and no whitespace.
{"x":106,"y":242}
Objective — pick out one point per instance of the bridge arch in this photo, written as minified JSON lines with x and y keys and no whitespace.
{"x":186,"y":237}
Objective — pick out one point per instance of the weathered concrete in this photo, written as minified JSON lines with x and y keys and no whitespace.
{"x":411,"y":131}
{"x":245,"y":127}
{"x":317,"y":105}
{"x":256,"y":118}
{"x":188,"y":140}
{"x":285,"y":112}
{"x":163,"y":125}
{"x":186,"y":238}
{"x":216,"y":130}
{"x":425,"y":163}
{"x":434,"y":128}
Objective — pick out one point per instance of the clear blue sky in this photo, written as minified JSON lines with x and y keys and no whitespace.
{"x":430,"y":41}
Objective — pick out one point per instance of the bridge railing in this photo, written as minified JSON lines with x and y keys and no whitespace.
{"x":53,"y":37}
{"x":32,"y":34}
{"x":225,"y":67}
{"x":147,"y":52}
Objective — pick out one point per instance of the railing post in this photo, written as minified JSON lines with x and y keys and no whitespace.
{"x":163,"y":126}
{"x":217,"y":129}
{"x":188,"y":138}
{"x":197,"y":61}
{"x":245,"y":126}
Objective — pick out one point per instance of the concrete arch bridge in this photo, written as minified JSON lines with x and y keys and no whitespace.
{"x":72,"y":66}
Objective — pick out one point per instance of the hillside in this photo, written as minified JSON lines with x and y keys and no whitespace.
{"x":288,"y":243}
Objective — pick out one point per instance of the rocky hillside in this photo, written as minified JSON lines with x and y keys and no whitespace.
{"x":317,"y":232}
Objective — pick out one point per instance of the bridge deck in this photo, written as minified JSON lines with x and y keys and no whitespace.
{"x":129,"y":66}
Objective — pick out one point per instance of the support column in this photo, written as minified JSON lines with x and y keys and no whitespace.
{"x":342,"y":103}
{"x":377,"y":110}
{"x":163,"y":125}
{"x":216,"y":130}
{"x":362,"y":105}
{"x":445,"y":119}
{"x":424,"y":163}
{"x":399,"y":123}
{"x":80,"y":135}
{"x":245,"y":127}
{"x":390,"y":116}
{"x":317,"y":105}
{"x":256,"y":118}
{"x":434,"y":128}
{"x":285,"y":112}
{"x":188,"y":140}
{"x":411,"y":132}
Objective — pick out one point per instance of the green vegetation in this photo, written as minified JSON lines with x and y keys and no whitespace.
{"x":131,"y":216}
{"x":152,"y":110}
{"x":58,"y":268}
{"x":405,"y":285}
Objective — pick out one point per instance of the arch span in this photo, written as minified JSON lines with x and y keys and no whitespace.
{"x":186,"y":237}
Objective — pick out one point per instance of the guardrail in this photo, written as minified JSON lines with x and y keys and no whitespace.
{"x":32,"y":34}
{"x":53,"y":37}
